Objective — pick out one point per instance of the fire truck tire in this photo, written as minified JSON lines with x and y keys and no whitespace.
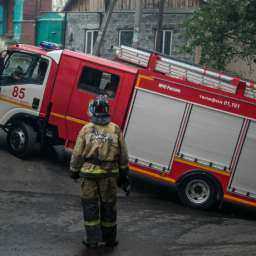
{"x":198,"y":191}
{"x":21,"y":140}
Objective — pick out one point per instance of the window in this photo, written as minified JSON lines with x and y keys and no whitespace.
{"x":90,"y":39}
{"x":125,"y":37}
{"x":163,"y":43}
{"x":24,"y":68}
{"x":39,"y":72}
{"x":97,"y":81}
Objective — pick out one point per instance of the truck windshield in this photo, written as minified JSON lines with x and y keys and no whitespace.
{"x":24,"y":68}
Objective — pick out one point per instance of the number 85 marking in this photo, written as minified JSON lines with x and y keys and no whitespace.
{"x":18,"y":92}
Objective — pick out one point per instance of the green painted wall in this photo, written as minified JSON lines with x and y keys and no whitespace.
{"x":17,"y":19}
{"x":50,"y":27}
{"x":2,"y":18}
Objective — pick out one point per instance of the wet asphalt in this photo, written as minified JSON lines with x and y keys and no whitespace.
{"x":40,"y":215}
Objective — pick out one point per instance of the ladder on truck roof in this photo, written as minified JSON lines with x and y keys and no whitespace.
{"x":183,"y":70}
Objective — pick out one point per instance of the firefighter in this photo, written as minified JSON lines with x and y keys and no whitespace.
{"x":100,"y":159}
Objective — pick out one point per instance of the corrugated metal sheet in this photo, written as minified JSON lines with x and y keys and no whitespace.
{"x":98,"y":5}
{"x":50,"y":27}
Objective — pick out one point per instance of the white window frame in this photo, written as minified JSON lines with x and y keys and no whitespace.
{"x":163,"y":40}
{"x":92,"y":31}
{"x":119,"y":34}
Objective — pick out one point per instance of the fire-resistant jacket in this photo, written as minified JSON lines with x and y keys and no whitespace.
{"x":100,"y":150}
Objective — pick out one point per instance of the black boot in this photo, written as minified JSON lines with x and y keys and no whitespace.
{"x":90,"y":245}
{"x":111,"y":243}
{"x":93,"y":244}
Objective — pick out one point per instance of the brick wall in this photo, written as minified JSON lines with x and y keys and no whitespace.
{"x":9,"y":18}
{"x":28,"y":32}
{"x":45,"y":5}
{"x":31,"y":10}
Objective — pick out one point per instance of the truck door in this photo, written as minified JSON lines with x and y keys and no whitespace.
{"x":243,"y":181}
{"x":92,"y":81}
{"x":22,"y":84}
{"x":152,"y":129}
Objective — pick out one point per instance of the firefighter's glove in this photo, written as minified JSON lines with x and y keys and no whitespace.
{"x":74,"y":175}
{"x":124,"y":182}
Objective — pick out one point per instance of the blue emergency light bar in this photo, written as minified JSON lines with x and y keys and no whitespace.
{"x":48,"y":46}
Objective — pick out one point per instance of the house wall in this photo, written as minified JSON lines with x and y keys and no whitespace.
{"x":243,"y":69}
{"x":45,"y":5}
{"x":31,"y":11}
{"x":21,"y":18}
{"x":78,"y":23}
{"x":10,"y":7}
{"x":2,"y":17}
{"x":123,"y":18}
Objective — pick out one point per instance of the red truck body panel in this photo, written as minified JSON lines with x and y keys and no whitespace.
{"x":69,"y":111}
{"x":236,"y":104}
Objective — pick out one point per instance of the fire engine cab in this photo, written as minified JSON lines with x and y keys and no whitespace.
{"x":184,"y":125}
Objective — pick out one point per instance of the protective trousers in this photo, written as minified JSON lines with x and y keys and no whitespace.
{"x":99,"y":208}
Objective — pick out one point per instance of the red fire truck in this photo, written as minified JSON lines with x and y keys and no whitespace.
{"x":184,"y":125}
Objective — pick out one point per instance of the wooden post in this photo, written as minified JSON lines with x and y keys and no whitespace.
{"x":103,"y":27}
{"x":159,"y":32}
{"x":137,"y":24}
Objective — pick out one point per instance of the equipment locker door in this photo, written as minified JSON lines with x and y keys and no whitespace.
{"x":211,"y":137}
{"x":244,"y":178}
{"x":92,"y":81}
{"x":153,"y":128}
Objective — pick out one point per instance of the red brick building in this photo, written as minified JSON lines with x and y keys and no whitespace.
{"x":18,"y":18}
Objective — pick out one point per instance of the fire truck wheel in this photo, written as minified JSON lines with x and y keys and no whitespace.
{"x":198,"y":192}
{"x":21,"y":139}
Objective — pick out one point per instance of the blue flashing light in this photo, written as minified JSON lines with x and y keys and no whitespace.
{"x":48,"y":46}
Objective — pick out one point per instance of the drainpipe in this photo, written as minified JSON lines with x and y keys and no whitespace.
{"x":64,"y":30}
{"x":137,"y":24}
{"x":17,"y":19}
{"x":159,"y":32}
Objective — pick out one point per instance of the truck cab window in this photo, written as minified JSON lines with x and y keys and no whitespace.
{"x":97,"y":81}
{"x":23,"y":68}
{"x":3,"y":55}
{"x":39,"y":71}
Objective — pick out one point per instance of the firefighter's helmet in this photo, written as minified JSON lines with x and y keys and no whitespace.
{"x":99,"y":109}
{"x":100,"y":106}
